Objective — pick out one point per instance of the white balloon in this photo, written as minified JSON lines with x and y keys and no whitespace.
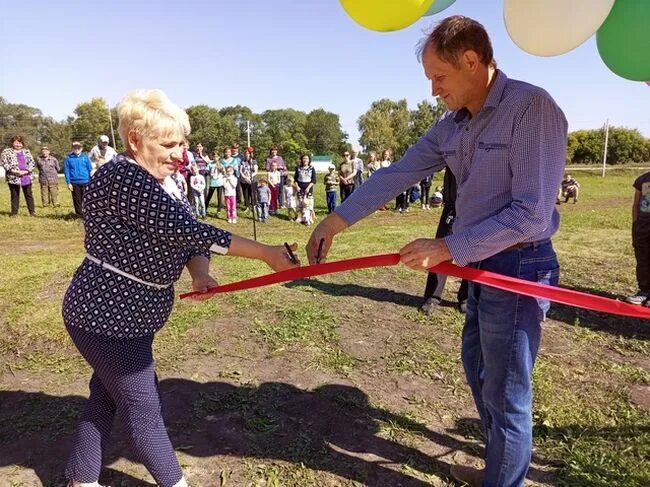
{"x":552,"y":27}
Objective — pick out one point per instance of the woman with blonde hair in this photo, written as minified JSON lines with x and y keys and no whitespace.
{"x":140,"y":234}
{"x":385,"y":158}
{"x":373,"y":163}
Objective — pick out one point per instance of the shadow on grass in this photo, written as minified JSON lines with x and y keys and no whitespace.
{"x":374,"y":293}
{"x":332,"y":428}
{"x":603,"y":322}
{"x":58,"y":215}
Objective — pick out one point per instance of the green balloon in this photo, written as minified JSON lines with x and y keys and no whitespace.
{"x":624,"y":39}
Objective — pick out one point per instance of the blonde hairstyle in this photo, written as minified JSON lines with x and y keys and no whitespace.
{"x":151,"y":114}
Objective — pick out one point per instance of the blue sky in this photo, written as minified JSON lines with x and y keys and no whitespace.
{"x":303,"y":54}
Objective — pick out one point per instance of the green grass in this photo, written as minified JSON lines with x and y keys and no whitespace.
{"x":345,"y":328}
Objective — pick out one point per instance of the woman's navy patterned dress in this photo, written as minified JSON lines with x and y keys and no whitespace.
{"x":147,"y":231}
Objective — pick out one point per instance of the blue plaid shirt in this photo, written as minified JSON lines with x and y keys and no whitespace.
{"x":508,"y":160}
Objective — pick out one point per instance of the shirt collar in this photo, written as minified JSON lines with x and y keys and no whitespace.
{"x":493,"y":98}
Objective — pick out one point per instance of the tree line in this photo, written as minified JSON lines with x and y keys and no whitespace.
{"x":387,"y":124}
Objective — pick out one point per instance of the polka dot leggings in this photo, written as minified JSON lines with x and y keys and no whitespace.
{"x":124,"y":382}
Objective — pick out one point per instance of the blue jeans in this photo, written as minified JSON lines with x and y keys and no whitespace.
{"x":331,"y":201}
{"x":263,"y":211}
{"x":199,"y":203}
{"x":500,"y":341}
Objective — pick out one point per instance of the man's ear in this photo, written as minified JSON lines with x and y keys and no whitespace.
{"x":470,"y":60}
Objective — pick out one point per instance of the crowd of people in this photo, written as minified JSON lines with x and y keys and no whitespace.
{"x":236,"y":184}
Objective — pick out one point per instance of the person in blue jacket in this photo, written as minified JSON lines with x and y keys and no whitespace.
{"x":77,"y":168}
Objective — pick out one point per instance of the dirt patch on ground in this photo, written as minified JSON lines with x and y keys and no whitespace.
{"x":242,"y":413}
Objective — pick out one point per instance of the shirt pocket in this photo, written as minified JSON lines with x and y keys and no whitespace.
{"x":496,"y":147}
{"x":491,"y":157}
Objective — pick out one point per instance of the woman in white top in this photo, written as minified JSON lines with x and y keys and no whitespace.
{"x":385,"y":158}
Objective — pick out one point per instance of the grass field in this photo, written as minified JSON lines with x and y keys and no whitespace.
{"x":335,"y":381}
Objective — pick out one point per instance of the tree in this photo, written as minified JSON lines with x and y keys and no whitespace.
{"x":242,"y":115}
{"x":92,"y":120}
{"x":58,"y":137}
{"x":286,"y":129}
{"x":323,"y":132}
{"x":625,"y":145}
{"x":211,"y":129}
{"x":423,"y":118}
{"x":585,"y":146}
{"x":385,"y":126}
{"x":19,"y":119}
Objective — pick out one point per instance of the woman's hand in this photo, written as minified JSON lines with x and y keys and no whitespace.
{"x":278,"y":259}
{"x":202,"y":284}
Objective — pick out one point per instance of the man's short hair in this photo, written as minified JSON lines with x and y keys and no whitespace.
{"x":453,"y":36}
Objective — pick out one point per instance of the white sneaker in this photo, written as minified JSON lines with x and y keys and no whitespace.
{"x":72,"y":483}
{"x":638,"y":298}
{"x":235,"y":220}
{"x":181,"y":483}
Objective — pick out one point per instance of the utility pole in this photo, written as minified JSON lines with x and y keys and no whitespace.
{"x":605,"y":151}
{"x":110,"y":118}
{"x":248,"y":133}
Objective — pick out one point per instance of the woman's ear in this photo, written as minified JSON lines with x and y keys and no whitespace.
{"x":133,"y":141}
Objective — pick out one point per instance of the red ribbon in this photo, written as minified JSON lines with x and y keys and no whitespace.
{"x":506,"y":283}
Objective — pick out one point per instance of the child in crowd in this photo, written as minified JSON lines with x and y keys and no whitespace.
{"x":641,"y":239}
{"x":275,"y":176}
{"x":415,"y":193}
{"x":373,"y":163}
{"x":179,"y":178}
{"x":290,"y":192}
{"x":306,"y":209}
{"x":197,"y":183}
{"x":216,"y":183}
{"x":263,"y":199}
{"x":230,"y":192}
{"x":436,"y":197}
{"x":331,"y":185}
{"x":425,"y":184}
{"x":402,"y":201}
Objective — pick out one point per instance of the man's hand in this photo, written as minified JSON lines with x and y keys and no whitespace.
{"x":324,"y":231}
{"x":423,"y":253}
{"x":70,"y":187}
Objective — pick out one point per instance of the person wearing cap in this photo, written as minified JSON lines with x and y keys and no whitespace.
{"x":101,"y":153}
{"x":48,"y":178}
{"x":77,"y":169}
{"x":332,"y":182}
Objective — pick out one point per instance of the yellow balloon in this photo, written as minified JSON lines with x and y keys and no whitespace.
{"x":386,"y":15}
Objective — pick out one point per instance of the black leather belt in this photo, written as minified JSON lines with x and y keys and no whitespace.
{"x":526,"y":245}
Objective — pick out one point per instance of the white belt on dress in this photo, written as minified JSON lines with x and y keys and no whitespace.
{"x":112,"y":268}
